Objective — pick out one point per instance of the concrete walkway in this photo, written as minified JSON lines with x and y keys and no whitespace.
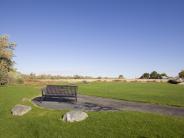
{"x":91,"y":103}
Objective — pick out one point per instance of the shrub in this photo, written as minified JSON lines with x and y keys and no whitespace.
{"x":163,"y":75}
{"x":3,"y":76}
{"x":20,"y":81}
{"x":85,"y":82}
{"x":145,"y":76}
{"x":155,"y":75}
{"x":181,"y":74}
{"x":121,"y":77}
{"x":3,"y":79}
{"x":99,"y":77}
{"x":76,"y":77}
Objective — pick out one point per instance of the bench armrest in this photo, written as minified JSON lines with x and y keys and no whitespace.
{"x":43,"y":91}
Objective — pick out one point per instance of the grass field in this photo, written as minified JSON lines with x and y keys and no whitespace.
{"x":159,"y":93}
{"x":43,"y":123}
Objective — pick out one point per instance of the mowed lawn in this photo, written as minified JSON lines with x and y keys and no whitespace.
{"x":159,"y":93}
{"x":43,"y":123}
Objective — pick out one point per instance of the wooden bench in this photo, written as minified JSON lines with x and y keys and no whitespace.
{"x":59,"y":91}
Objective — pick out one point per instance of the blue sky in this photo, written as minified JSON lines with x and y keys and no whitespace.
{"x":95,"y":37}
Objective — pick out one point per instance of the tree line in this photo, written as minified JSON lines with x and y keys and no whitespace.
{"x":156,"y":75}
{"x":33,"y":76}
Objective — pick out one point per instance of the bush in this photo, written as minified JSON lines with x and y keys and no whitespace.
{"x":76,"y":77}
{"x":3,"y":77}
{"x":163,"y":75}
{"x":155,"y":75}
{"x":181,"y":74}
{"x":145,"y":76}
{"x":20,"y":81}
{"x":121,"y":77}
{"x":85,"y":82}
{"x":3,"y":80}
{"x":99,"y":77}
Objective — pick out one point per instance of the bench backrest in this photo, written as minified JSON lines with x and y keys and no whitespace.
{"x":65,"y":90}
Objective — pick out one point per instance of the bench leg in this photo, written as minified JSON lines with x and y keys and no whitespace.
{"x":76,"y":99}
{"x":43,"y":98}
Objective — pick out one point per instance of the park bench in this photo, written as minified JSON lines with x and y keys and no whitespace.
{"x":59,"y":91}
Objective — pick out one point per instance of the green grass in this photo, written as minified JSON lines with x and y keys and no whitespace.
{"x":42,"y":123}
{"x":159,"y":93}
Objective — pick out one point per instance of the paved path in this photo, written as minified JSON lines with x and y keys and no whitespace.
{"x":91,"y":103}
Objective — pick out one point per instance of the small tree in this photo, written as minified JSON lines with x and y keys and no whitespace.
{"x":181,"y":74}
{"x":155,"y":75}
{"x":6,"y":54}
{"x":145,"y":76}
{"x":120,"y":77}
